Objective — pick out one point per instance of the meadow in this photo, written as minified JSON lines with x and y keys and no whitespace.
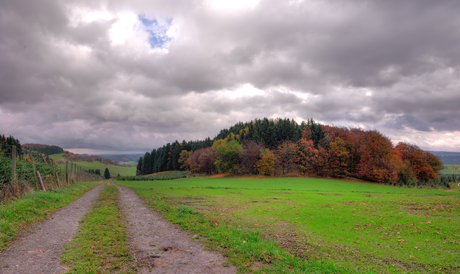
{"x":345,"y":226}
{"x":451,"y":170}
{"x":114,"y":170}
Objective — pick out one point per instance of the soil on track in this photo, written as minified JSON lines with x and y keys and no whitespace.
{"x":160,"y":247}
{"x":40,"y":250}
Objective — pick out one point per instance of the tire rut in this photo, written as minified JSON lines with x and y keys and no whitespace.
{"x":160,"y":247}
{"x":40,"y":250}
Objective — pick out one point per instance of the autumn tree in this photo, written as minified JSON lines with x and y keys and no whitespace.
{"x":227,"y":157}
{"x":266,"y":165}
{"x":206,"y":161}
{"x":183,"y":160}
{"x":338,"y":159}
{"x":307,"y":155}
{"x":286,"y":154}
{"x":375,"y":162}
{"x":425,"y":165}
{"x":249,"y":157}
{"x":202,"y":161}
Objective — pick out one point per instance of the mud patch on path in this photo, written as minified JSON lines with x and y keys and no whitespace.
{"x":159,"y":247}
{"x":40,"y":251}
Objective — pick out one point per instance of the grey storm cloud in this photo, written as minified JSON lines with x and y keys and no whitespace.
{"x":82,"y":74}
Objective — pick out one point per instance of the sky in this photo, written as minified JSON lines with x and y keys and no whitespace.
{"x":124,"y":76}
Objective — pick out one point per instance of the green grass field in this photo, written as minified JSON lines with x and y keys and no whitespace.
{"x":114,"y":170}
{"x":133,"y":164}
{"x":354,"y":226}
{"x":57,"y":157}
{"x":450,"y":170}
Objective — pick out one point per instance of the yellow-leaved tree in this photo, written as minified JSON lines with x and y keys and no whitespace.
{"x":266,"y":164}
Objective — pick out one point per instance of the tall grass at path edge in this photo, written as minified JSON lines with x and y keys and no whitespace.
{"x":17,"y":215}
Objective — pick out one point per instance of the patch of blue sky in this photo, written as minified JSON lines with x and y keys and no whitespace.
{"x":157,"y":30}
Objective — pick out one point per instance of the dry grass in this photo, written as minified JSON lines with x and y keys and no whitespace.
{"x":14,"y":191}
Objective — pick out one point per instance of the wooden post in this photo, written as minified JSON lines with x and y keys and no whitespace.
{"x":35,"y":173}
{"x":57,"y":178}
{"x":13,"y":158}
{"x":72,"y":175}
{"x":67,"y":173}
{"x":41,"y":181}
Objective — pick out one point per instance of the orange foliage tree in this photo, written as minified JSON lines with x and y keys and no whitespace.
{"x":425,"y":165}
{"x":375,"y":162}
{"x":266,"y":164}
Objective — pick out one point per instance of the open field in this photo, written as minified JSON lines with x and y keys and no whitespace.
{"x":356,"y":226}
{"x":114,"y":170}
{"x":57,"y":157}
{"x":133,"y":164}
{"x":450,"y":170}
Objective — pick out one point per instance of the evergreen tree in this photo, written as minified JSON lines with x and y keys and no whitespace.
{"x":106,"y":173}
{"x":139,"y":166}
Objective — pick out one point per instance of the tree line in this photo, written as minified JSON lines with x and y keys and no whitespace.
{"x":282,"y":147}
{"x":42,"y":149}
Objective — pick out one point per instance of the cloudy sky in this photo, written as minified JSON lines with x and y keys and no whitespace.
{"x":131,"y":75}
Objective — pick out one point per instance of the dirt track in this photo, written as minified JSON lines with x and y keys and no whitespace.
{"x":156,"y":244}
{"x":39,"y":251}
{"x":163,"y":248}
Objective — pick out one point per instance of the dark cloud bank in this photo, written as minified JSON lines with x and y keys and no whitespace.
{"x":82,"y":74}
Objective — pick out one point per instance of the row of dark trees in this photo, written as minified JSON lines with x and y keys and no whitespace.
{"x":7,"y":143}
{"x":46,"y":150}
{"x":166,"y":157}
{"x":269,"y":132}
{"x":98,"y":172}
{"x":281,"y":146}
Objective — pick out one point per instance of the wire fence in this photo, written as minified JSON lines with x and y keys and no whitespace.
{"x":22,"y":174}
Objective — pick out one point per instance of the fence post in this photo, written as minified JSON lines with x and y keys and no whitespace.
{"x":41,"y":181}
{"x":13,"y":158}
{"x":67,"y":173}
{"x":57,"y":177}
{"x":71,"y":172}
{"x":35,"y":173}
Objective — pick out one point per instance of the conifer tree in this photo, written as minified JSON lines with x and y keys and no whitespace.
{"x":106,"y":173}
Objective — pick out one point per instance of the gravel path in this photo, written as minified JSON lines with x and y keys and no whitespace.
{"x":161,"y":247}
{"x":39,"y":251}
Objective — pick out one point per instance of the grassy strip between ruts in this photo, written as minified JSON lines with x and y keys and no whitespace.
{"x":100,"y":244}
{"x":246,"y":249}
{"x":35,"y":207}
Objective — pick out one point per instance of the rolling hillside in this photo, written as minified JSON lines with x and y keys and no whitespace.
{"x":114,"y":170}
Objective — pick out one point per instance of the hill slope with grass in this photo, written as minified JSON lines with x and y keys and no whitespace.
{"x":114,"y":169}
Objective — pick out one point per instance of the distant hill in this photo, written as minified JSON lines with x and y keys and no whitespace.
{"x":445,"y":153}
{"x":448,"y":158}
{"x":122,"y":158}
{"x":72,"y":157}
